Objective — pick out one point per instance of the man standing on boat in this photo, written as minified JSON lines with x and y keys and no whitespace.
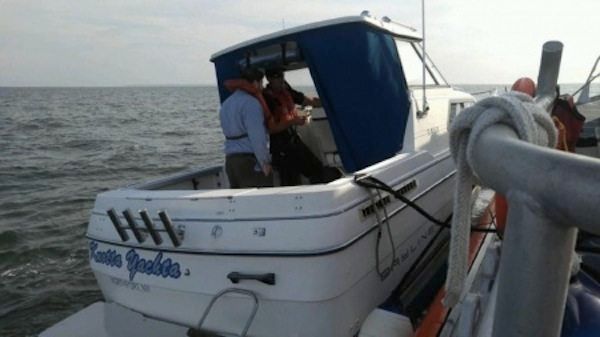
{"x":247,"y":158}
{"x":290,"y":155}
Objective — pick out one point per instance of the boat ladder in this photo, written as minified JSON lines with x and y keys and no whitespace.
{"x":246,"y":292}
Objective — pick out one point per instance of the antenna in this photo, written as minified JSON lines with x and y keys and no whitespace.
{"x":282,"y":23}
{"x":423,"y":58}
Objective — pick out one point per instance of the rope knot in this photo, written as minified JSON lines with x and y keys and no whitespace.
{"x":531,"y":123}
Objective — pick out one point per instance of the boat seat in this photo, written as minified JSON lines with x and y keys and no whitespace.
{"x":319,"y":139}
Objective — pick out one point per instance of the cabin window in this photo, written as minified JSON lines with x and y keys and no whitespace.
{"x":301,"y":80}
{"x":412,"y":65}
{"x":286,"y":53}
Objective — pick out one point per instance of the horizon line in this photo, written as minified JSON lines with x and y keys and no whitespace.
{"x":204,"y":85}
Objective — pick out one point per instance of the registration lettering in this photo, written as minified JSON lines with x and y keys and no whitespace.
{"x":130,"y":285}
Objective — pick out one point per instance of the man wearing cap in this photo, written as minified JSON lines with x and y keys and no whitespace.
{"x":290,"y":155}
{"x":247,"y":157}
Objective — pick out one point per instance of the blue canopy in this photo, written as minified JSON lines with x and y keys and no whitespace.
{"x":359,"y":78}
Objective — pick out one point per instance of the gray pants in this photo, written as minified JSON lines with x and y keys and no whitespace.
{"x":240,"y":171}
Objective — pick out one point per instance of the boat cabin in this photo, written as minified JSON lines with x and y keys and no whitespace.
{"x":368,"y":74}
{"x":358,"y":74}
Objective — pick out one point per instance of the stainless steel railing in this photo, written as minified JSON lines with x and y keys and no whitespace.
{"x":550,"y":194}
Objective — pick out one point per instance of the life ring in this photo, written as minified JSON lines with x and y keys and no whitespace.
{"x":525,"y":85}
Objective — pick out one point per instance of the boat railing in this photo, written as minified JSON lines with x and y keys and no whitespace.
{"x":550,"y":194}
{"x":584,"y":97}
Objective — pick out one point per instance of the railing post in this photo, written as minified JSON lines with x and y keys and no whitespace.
{"x":549,"y":69}
{"x":534,"y":272}
{"x":550,"y":194}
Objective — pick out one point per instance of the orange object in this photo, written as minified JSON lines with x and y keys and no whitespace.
{"x":437,"y":312}
{"x":501,"y":205}
{"x":241,"y":84}
{"x":285,"y":109}
{"x":562,"y":135}
{"x":525,"y":85}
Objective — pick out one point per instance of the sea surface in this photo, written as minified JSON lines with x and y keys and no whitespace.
{"x":59,"y":147}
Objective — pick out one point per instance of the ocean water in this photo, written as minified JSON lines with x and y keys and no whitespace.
{"x":59,"y":147}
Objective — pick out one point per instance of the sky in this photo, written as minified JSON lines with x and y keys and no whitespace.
{"x":114,"y":43}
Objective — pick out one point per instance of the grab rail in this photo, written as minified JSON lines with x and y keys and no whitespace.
{"x":238,"y":291}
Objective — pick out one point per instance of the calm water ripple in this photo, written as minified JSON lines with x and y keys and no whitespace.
{"x":59,"y":147}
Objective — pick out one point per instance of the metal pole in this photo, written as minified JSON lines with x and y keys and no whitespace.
{"x":548,"y":75}
{"x":565,"y":184}
{"x":548,"y":192}
{"x":534,"y":272}
{"x":424,"y":105}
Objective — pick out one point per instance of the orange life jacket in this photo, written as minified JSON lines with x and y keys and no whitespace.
{"x":241,"y":84}
{"x":285,"y":109}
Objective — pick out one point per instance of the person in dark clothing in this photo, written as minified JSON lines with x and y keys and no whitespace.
{"x":289,"y":153}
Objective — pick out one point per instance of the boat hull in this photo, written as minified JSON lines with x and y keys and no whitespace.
{"x":325,"y":290}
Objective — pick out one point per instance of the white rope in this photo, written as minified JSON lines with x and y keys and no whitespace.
{"x":531,"y":123}
{"x":575,"y":264}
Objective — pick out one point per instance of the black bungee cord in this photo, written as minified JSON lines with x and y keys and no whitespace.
{"x":372,"y":182}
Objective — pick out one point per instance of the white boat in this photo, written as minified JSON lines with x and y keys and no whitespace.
{"x":187,"y":251}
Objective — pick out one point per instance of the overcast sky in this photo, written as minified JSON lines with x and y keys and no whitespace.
{"x":103,"y":42}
